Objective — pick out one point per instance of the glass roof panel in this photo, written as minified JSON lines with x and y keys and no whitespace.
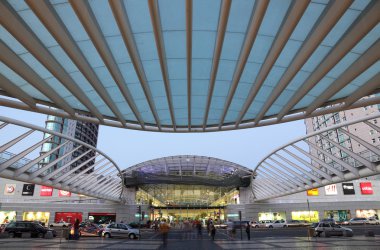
{"x":21,"y":83}
{"x":358,"y":81}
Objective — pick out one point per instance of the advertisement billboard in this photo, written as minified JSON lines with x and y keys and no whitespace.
{"x":10,"y":189}
{"x":331,"y":189}
{"x":63,"y":193}
{"x":28,"y":189}
{"x":348,"y":188}
{"x":366,"y":187}
{"x":46,"y":191}
{"x":312,"y":192}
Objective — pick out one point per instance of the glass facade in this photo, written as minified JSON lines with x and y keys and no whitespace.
{"x":309,"y":216}
{"x":171,"y":195}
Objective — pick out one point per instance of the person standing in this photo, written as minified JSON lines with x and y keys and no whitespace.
{"x":76,"y":229}
{"x":248,"y":230}
{"x":212,"y":231}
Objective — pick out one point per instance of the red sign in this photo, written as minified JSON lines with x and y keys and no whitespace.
{"x":64,"y":193}
{"x":46,"y":191}
{"x":366,"y":187}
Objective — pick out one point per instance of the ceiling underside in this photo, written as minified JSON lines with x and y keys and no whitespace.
{"x":188,"y":66}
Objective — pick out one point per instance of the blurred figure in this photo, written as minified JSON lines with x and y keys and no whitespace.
{"x":164,"y":229}
{"x":76,"y":229}
{"x":248,"y":230}
{"x":212,"y":231}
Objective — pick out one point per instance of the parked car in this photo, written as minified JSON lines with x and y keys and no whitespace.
{"x":356,"y":221}
{"x":373,"y":221}
{"x":296,"y":223}
{"x":331,"y":229}
{"x":91,"y":229}
{"x":262,"y":223}
{"x":16,"y":228}
{"x":121,"y":230}
{"x":276,"y":224}
{"x":60,"y":224}
{"x":221,"y":226}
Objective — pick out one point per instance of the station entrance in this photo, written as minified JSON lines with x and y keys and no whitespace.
{"x":191,"y":213}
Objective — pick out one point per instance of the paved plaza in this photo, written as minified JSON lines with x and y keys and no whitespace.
{"x":177,"y":241}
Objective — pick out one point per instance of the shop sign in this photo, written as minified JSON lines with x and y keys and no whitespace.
{"x":331,"y":189}
{"x":28,"y":189}
{"x":366,"y":187}
{"x":10,"y":189}
{"x":348,"y":188}
{"x":46,"y":191}
{"x":312,"y":192}
{"x":63,"y":193}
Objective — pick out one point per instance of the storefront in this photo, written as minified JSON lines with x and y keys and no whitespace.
{"x":272,"y":216}
{"x":68,"y":216}
{"x":309,"y":216}
{"x":7,"y":216}
{"x":101,"y":218}
{"x":338,"y":215}
{"x":43,"y":217}
{"x":366,"y":213}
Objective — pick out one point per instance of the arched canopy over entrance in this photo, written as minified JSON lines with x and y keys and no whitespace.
{"x":188,"y":169}
{"x":189,"y":66}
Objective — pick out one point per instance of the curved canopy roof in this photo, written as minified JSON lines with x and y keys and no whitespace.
{"x":188,"y":65}
{"x":188,"y":169}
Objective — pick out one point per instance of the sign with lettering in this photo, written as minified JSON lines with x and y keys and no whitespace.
{"x":46,"y":191}
{"x":348,"y":188}
{"x":312,"y":192}
{"x":331,"y":189}
{"x":28,"y":189}
{"x":366,"y":187}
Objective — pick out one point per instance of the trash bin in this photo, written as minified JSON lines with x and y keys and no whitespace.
{"x":310,"y":232}
{"x":65,"y":233}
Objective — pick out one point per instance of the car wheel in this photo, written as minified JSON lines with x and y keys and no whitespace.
{"x":270,"y":226}
{"x":40,"y":235}
{"x":285,"y":226}
{"x":132,"y":236}
{"x":256,"y":226}
{"x":12,"y":235}
{"x":107,"y":235}
{"x":51,"y":226}
{"x":64,"y":226}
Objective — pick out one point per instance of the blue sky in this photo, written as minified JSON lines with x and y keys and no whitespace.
{"x":127,"y":147}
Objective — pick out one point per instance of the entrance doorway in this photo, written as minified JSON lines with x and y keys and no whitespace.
{"x":193,"y":213}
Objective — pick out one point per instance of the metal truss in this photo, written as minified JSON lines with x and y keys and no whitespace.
{"x":79,"y":168}
{"x":331,"y":155}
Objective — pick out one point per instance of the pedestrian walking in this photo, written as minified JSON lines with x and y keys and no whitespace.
{"x":164,"y":229}
{"x":248,"y":231}
{"x":213,"y":231}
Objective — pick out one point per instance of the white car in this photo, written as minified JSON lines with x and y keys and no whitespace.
{"x":276,"y":224}
{"x":60,"y":224}
{"x":373,"y":221}
{"x":357,"y":221}
{"x":330,"y":229}
{"x":121,"y":230}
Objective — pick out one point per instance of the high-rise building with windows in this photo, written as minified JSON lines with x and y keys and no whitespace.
{"x":362,"y":130}
{"x":83,"y":131}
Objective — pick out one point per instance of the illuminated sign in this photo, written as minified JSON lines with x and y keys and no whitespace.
{"x":63,"y":193}
{"x":331,"y":189}
{"x":366,"y":187}
{"x":348,"y":188}
{"x":46,"y":191}
{"x":28,"y":189}
{"x":10,"y":189}
{"x":312,"y":192}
